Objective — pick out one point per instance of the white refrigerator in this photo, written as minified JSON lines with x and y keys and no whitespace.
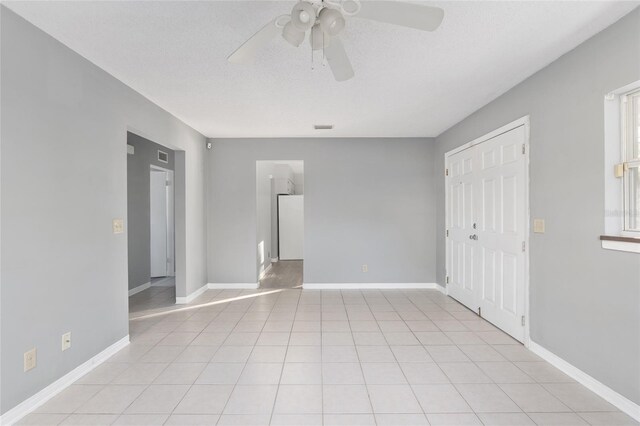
{"x":290,"y":226}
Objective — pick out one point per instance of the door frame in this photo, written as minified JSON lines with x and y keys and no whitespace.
{"x":171,"y":220}
{"x":524,"y":122}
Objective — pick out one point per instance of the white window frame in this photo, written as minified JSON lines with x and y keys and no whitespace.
{"x":627,"y":120}
{"x":615,"y":150}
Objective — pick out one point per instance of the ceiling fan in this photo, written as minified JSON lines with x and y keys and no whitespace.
{"x":325,"y":20}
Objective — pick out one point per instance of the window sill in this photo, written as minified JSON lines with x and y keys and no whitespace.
{"x":628,"y":244}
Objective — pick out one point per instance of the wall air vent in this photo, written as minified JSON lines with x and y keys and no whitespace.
{"x":323,"y":126}
{"x":163,"y":157}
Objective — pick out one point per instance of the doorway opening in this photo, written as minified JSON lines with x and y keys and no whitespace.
{"x":280,"y":223}
{"x":151,"y":225}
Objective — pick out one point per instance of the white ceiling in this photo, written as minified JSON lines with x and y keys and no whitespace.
{"x":407,"y":83}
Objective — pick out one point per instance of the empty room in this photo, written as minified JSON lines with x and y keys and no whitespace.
{"x":320,"y":212}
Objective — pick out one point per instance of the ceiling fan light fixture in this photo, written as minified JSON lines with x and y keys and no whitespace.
{"x":318,"y":39}
{"x":292,"y":35}
{"x":331,"y":21}
{"x":303,"y":15}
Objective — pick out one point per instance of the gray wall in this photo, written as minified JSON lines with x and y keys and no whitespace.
{"x":138,"y":205}
{"x":366,"y":201}
{"x":63,"y":180}
{"x":585,"y":301}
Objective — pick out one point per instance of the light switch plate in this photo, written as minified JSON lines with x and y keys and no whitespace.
{"x":131,"y":150}
{"x":30,"y":360}
{"x":66,"y":341}
{"x":118,"y":226}
{"x":365,"y":268}
{"x":538,"y":226}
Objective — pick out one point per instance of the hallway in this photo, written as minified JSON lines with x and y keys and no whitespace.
{"x":154,"y":298}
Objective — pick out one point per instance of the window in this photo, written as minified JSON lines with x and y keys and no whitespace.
{"x":622,"y":169}
{"x":630,"y":115}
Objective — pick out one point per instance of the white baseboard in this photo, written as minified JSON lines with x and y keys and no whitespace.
{"x":368,"y":286}
{"x":233,"y":286}
{"x":263,"y":273}
{"x":138,"y":289}
{"x":274,"y":260}
{"x":623,"y":404}
{"x":30,"y":404}
{"x":190,"y":297}
{"x":442,"y":289}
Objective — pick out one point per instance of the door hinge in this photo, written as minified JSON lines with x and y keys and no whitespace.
{"x":524,"y":149}
{"x":522,"y":320}
{"x":524,"y":246}
{"x":446,"y":172}
{"x":480,"y":312}
{"x":447,"y":231}
{"x":446,"y":279}
{"x":167,"y":183}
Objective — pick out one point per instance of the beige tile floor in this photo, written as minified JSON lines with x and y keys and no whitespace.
{"x":160,"y":297}
{"x":283,"y":274}
{"x":294,"y":357}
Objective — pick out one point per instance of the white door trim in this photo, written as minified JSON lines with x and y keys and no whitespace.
{"x":171,"y":252}
{"x":525,"y":122}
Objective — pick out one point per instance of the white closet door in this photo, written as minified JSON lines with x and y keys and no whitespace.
{"x":158,"y":223}
{"x":461,"y":249}
{"x":501,"y":191}
{"x":486,"y":221}
{"x":291,"y":226}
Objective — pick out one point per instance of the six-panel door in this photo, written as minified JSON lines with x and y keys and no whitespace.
{"x":486,"y":219}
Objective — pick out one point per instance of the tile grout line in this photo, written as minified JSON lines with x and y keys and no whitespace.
{"x":196,"y":379}
{"x":246,"y":362}
{"x":275,"y":399}
{"x":207,"y":363}
{"x":364,"y":379}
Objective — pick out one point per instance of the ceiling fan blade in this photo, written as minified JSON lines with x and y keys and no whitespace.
{"x":338,"y":60}
{"x":247,"y":52}
{"x":420,"y":17}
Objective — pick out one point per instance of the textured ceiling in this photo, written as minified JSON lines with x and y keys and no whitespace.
{"x":407,"y":83}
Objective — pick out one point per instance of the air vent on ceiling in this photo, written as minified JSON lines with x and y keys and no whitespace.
{"x":323,"y":126}
{"x":163,"y":156}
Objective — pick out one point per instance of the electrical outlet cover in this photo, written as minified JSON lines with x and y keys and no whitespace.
{"x":66,"y":341}
{"x":30,"y":359}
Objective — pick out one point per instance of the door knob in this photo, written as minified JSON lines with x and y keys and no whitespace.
{"x":473,"y":237}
